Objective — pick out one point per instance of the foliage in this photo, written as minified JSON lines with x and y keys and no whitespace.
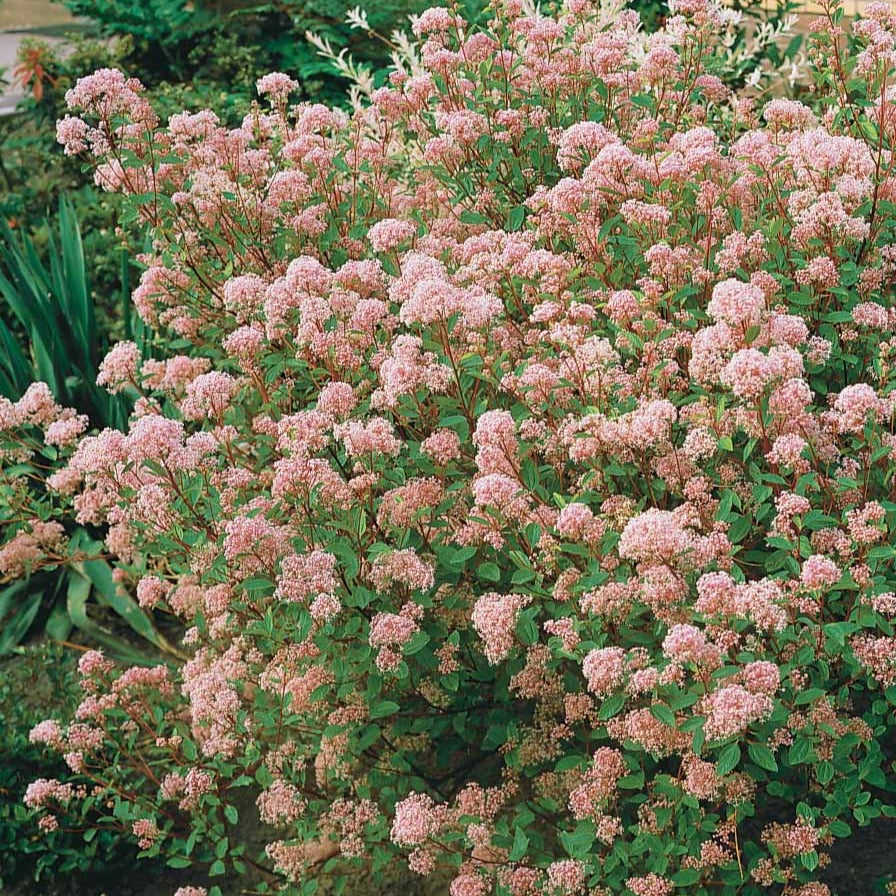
{"x":520,"y":461}
{"x":231,"y":44}
{"x":52,"y":304}
{"x":35,"y":175}
{"x":32,"y":69}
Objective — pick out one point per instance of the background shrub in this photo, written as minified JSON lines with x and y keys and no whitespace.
{"x":37,"y":683}
{"x":227,"y":45}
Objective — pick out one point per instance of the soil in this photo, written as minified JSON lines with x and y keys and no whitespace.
{"x":863,"y":864}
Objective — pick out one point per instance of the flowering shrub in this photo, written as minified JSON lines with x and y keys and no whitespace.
{"x":520,"y":465}
{"x":39,"y":680}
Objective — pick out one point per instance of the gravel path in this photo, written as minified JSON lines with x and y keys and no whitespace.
{"x":9,"y":47}
{"x":20,"y":19}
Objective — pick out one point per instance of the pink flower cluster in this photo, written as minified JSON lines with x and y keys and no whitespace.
{"x":494,"y":617}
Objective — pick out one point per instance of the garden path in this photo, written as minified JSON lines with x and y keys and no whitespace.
{"x":20,"y":19}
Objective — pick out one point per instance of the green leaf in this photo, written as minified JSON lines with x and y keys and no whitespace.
{"x":520,"y":845}
{"x":728,"y":759}
{"x":418,"y":641}
{"x":15,"y":367}
{"x":663,"y":713}
{"x":383,"y":708}
{"x":611,"y":707}
{"x":526,"y":629}
{"x":218,"y":867}
{"x":58,"y":625}
{"x":18,"y":612}
{"x":839,"y":828}
{"x":76,"y":604}
{"x":839,"y":631}
{"x":100,"y":574}
{"x":800,"y":751}
{"x":578,"y":843}
{"x":763,"y":757}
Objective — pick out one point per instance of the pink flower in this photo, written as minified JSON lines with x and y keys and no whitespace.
{"x":375,"y":438}
{"x":599,"y":783}
{"x":819,"y":572}
{"x":66,"y":431}
{"x":306,"y":576}
{"x":47,"y":732}
{"x":37,"y":406}
{"x":433,"y":20}
{"x":402,"y":567}
{"x":878,"y":656}
{"x":761,"y":677}
{"x":494,"y":618}
{"x":416,"y":819}
{"x":146,"y":831}
{"x":566,"y":876}
{"x":787,"y":113}
{"x":750,"y":372}
{"x":687,"y":644}
{"x":46,"y":791}
{"x":48,"y":824}
{"x":736,"y":304}
{"x":151,"y":590}
{"x":649,"y":885}
{"x":858,"y":405}
{"x":119,"y":368}
{"x":577,"y":523}
{"x":582,"y":141}
{"x":72,"y":134}
{"x":655,"y":537}
{"x":276,"y":85}
{"x":468,"y":885}
{"x":732,"y":709}
{"x":442,"y":446}
{"x":93,"y":662}
{"x":389,"y":234}
{"x":389,"y":632}
{"x":604,"y":670}
{"x":280,"y":805}
{"x":208,"y":396}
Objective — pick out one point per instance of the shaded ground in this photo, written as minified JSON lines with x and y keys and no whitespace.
{"x":134,"y":881}
{"x":865,"y":863}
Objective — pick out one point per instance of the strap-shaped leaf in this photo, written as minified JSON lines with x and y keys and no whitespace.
{"x":15,"y":366}
{"x":79,"y":588}
{"x":99,"y":574}
{"x":17,"y":610}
